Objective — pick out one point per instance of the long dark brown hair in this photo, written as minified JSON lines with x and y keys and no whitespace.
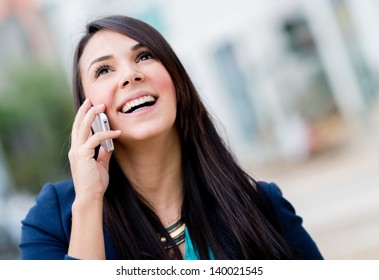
{"x":222,"y":209}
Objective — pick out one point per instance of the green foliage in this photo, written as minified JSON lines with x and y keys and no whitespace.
{"x":36,"y":115}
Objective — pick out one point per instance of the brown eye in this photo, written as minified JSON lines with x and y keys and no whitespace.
{"x":144,"y":56}
{"x":102,"y":70}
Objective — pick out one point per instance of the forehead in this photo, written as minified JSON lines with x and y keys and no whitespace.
{"x":105,"y":42}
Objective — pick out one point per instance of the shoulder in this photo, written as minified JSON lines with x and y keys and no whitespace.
{"x":291,"y":223}
{"x":272,"y":196}
{"x":55,"y":198}
{"x":270,"y":189}
{"x":46,"y":229}
{"x":62,"y":189}
{"x":48,"y":221}
{"x":61,"y":192}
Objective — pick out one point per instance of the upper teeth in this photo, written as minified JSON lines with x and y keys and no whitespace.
{"x":136,"y":102}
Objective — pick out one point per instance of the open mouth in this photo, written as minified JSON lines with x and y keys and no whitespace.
{"x":138,"y":104}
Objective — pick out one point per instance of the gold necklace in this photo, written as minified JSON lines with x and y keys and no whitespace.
{"x":176,"y":232}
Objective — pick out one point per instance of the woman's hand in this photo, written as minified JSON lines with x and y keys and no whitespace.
{"x":91,"y":180}
{"x":90,"y":175}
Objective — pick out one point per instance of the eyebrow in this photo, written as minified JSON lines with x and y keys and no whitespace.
{"x":99,"y":59}
{"x":137,"y":46}
{"x":106,"y":57}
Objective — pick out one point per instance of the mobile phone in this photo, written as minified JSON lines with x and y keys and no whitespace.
{"x":101,"y":124}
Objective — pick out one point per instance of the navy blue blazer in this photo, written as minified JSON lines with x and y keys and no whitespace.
{"x":47,"y":226}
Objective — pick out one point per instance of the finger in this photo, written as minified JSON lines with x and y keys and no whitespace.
{"x":80,"y":115}
{"x":84,"y":130}
{"x":97,"y":138}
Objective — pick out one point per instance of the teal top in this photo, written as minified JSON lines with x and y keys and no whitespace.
{"x":191,"y":252}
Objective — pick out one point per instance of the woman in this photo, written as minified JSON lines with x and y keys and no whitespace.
{"x":171,"y":189}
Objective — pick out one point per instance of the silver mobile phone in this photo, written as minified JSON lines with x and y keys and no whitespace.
{"x":101,"y":124}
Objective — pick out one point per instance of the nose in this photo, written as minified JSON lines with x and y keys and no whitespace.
{"x":131,"y":77}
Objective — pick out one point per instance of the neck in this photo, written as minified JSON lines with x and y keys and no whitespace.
{"x":154,"y":169}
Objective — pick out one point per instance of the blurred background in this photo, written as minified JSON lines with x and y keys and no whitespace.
{"x":292,"y":85}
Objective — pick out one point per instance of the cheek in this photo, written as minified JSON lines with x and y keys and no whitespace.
{"x":99,"y":94}
{"x":166,"y":85}
{"x":172,"y":94}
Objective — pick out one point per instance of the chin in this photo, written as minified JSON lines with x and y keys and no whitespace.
{"x":147,"y":134}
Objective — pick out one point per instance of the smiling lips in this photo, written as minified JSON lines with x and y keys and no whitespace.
{"x":139,"y":103}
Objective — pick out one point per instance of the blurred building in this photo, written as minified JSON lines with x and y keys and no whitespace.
{"x":26,"y":40}
{"x":25,"y":31}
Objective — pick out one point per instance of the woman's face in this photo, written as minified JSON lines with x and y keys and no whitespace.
{"x":135,"y":87}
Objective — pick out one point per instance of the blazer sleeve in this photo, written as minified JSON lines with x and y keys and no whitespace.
{"x":44,"y":232}
{"x":291,"y":224}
